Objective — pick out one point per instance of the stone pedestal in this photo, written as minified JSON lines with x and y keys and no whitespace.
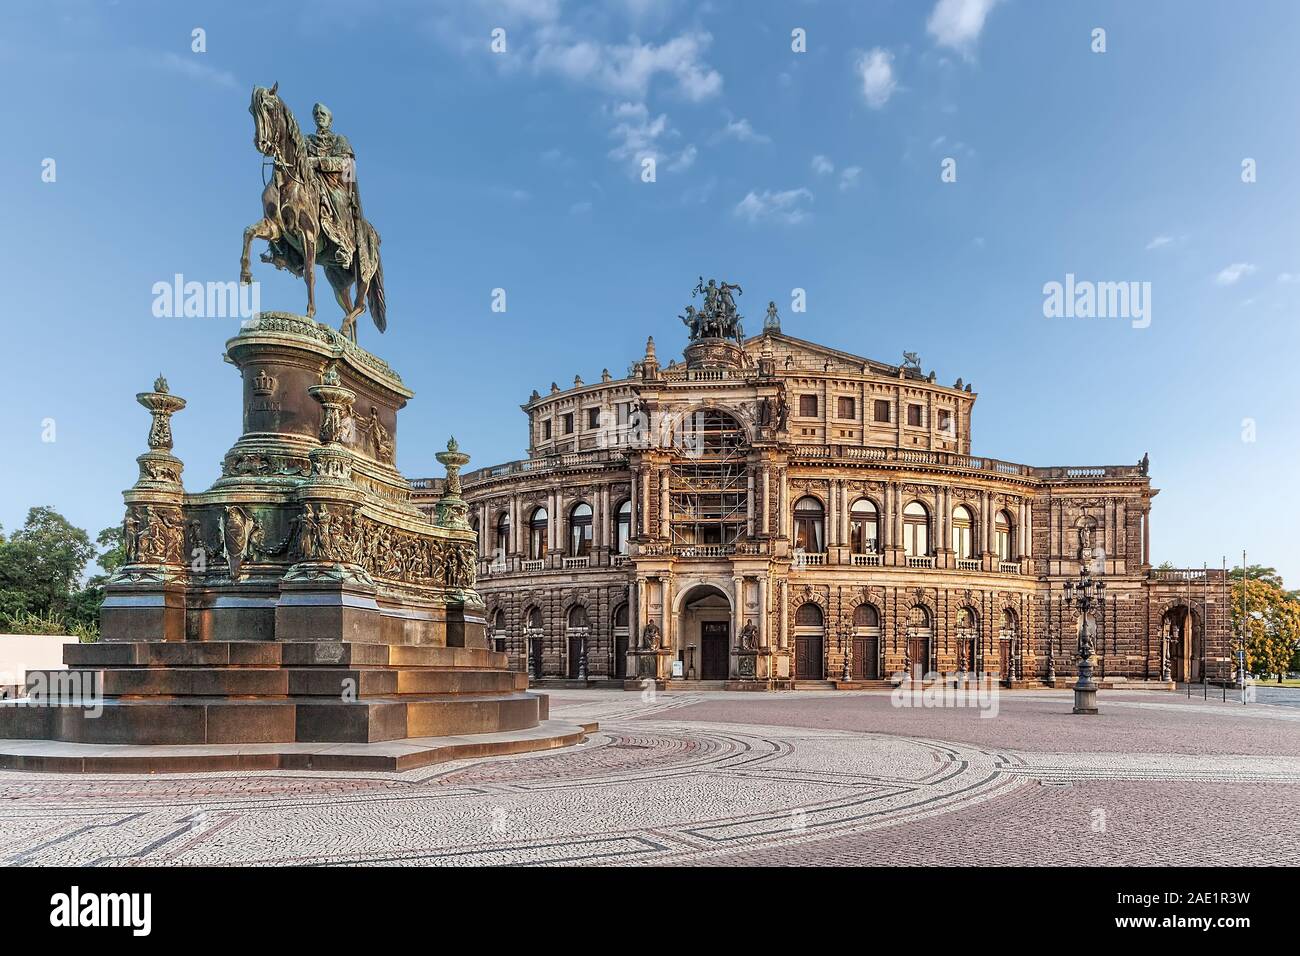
{"x":301,"y":600}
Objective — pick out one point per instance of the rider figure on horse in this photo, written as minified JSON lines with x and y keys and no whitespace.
{"x":330,"y":155}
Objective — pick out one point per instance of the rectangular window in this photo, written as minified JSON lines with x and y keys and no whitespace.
{"x":808,"y":406}
{"x":945,"y":421}
{"x":914,"y":415}
{"x":846,"y":408}
{"x":882,"y":409}
{"x":568,"y":423}
{"x":546,"y":430}
{"x":593,"y":418}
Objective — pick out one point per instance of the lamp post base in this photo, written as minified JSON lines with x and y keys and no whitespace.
{"x":1085,"y":700}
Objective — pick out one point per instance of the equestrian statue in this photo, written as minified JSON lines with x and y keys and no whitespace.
{"x":312,"y":211}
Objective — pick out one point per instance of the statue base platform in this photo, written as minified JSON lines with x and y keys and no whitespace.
{"x":302,"y":600}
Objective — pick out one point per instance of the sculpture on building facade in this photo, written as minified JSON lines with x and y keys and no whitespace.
{"x":717,"y":318}
{"x":312,"y":208}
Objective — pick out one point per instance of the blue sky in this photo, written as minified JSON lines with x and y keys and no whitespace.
{"x":779,"y":170}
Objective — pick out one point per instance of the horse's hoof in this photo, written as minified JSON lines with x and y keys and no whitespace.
{"x":246,"y":278}
{"x":311,"y":313}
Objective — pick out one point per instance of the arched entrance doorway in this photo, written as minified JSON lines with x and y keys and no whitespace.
{"x":866,"y":642}
{"x":919,"y":633}
{"x":809,"y":641}
{"x":1180,"y":627}
{"x":704,"y":633}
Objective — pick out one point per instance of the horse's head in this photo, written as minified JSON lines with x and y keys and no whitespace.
{"x":268,"y":119}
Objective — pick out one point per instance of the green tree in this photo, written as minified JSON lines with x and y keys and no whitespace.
{"x":41,"y":564}
{"x":1272,"y":619}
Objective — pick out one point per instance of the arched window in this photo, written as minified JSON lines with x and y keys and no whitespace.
{"x":916,"y":530}
{"x":808,"y":615}
{"x":864,"y":527}
{"x":963,"y":532}
{"x":623,"y":528}
{"x":535,"y":619}
{"x":620,"y":616}
{"x":809,"y":524}
{"x":1002,"y":536}
{"x":502,"y":547}
{"x":537,"y":535}
{"x":473,"y":524}
{"x":866,"y":615}
{"x":966,"y":621}
{"x":580,"y":530}
{"x":578,"y":616}
{"x":918,"y":619}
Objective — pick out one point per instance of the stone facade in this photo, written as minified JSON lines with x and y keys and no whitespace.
{"x":775,"y":510}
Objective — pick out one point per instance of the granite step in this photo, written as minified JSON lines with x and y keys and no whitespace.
{"x":282,"y":681}
{"x":397,"y":755}
{"x":277,"y":653}
{"x":199,"y":720}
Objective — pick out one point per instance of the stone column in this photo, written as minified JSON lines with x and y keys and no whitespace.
{"x":782,"y":503}
{"x":666,"y":614}
{"x":645,"y":502}
{"x":846,"y":535}
{"x":832,"y":512}
{"x":634,"y":489}
{"x":762,"y":610}
{"x":781,"y":615}
{"x":887,"y":518}
{"x":749,"y":502}
{"x":665,"y":529}
{"x":767,"y":499}
{"x":737,"y":605}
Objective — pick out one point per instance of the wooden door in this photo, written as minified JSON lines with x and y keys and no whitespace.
{"x":714,"y":638}
{"x":575,"y":655}
{"x":865,"y":658}
{"x":808,"y":657}
{"x":1004,"y":659}
{"x":919,"y":652}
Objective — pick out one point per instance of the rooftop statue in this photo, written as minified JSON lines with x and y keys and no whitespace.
{"x":717,"y":317}
{"x":313,"y":211}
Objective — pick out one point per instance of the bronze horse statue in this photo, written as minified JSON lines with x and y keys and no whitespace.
{"x":297,"y":203}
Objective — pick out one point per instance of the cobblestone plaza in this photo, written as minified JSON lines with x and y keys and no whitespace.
{"x":716,"y":778}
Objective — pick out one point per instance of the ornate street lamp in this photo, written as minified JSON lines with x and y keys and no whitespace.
{"x":1084,"y":597}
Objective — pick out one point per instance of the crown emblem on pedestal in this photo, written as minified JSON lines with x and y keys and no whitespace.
{"x":263,"y":384}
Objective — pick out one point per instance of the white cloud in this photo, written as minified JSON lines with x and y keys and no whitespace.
{"x":628,"y":69}
{"x":1159,"y":241}
{"x":685,"y":159}
{"x":642,"y":137}
{"x":788,"y":206}
{"x":849,"y":177}
{"x":1288,"y":277}
{"x":580,"y":208}
{"x":876,"y":70}
{"x":958,"y":23}
{"x":192,"y":66}
{"x":743,"y":131}
{"x":1233,"y":273}
{"x":822,"y":166}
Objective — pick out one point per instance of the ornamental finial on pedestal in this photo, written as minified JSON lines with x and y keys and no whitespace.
{"x":451,"y":510}
{"x":158,"y":466}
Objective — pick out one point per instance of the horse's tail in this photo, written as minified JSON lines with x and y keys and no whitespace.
{"x":375,"y":296}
